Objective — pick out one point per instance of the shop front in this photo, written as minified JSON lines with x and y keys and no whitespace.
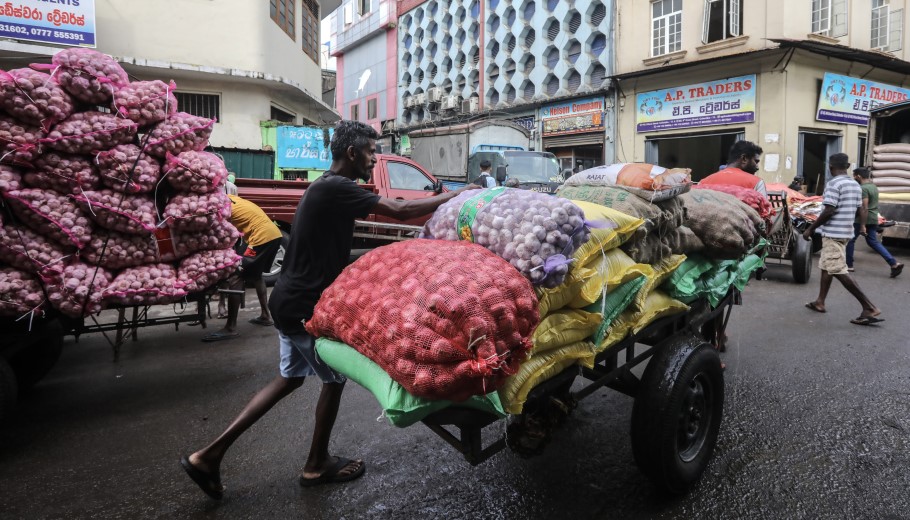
{"x":574,"y":132}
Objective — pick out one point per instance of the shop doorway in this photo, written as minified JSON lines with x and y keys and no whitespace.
{"x":703,"y":153}
{"x":814,"y":150}
{"x":578,"y":158}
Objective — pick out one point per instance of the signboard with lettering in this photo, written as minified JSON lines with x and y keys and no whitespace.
{"x":573,"y":117}
{"x":303,"y":148}
{"x":64,"y":22}
{"x":848,"y":100}
{"x":721,"y":102}
{"x":526,"y":122}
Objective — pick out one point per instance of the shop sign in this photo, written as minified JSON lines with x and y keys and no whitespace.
{"x":303,"y":148}
{"x":404,"y":145}
{"x":722,"y":102}
{"x":848,"y":100}
{"x":64,"y":22}
{"x":573,"y":117}
{"x":526,"y":122}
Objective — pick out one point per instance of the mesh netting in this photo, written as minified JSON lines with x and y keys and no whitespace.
{"x":51,"y":214}
{"x":446,"y":320}
{"x":20,"y":292}
{"x":63,"y":173}
{"x":727,"y":226}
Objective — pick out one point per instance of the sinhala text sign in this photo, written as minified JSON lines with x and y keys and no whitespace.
{"x":848,"y":100}
{"x":64,"y":22}
{"x":303,"y":148}
{"x":721,"y":102}
{"x":573,"y":117}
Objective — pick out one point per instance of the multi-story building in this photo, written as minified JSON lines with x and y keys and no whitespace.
{"x":795,"y":77}
{"x":542,"y":64}
{"x":363,"y":41}
{"x":239,"y":62}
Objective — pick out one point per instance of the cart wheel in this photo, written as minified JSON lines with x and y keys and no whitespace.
{"x":801,"y":258}
{"x":271,"y":275}
{"x":677,"y":414}
{"x":8,"y":390}
{"x":36,"y":360}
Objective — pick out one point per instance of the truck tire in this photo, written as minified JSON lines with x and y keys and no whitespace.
{"x":33,"y":362}
{"x":801,"y":259}
{"x":271,"y":276}
{"x":8,"y":391}
{"x":677,"y":414}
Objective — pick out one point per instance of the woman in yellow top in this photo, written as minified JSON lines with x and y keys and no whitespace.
{"x":263,"y":239}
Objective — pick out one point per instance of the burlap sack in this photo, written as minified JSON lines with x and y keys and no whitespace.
{"x":660,"y":217}
{"x":684,"y":241}
{"x":727,"y":226}
{"x":648,"y":250}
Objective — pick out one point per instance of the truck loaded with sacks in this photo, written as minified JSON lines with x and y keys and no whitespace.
{"x":509,"y":295}
{"x":888,"y":153}
{"x":107,"y":201}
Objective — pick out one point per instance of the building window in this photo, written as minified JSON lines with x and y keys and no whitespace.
{"x":880,"y":12}
{"x":309,"y":29}
{"x":363,"y":7}
{"x":283,"y":12}
{"x":829,"y":17}
{"x":201,"y":105}
{"x":355,"y":112}
{"x":723,"y":19}
{"x":283,"y":116}
{"x":666,"y":26}
{"x":406,"y":177}
{"x":371,"y":109}
{"x":861,"y":151}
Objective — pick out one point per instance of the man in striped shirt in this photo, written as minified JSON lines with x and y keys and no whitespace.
{"x":842,"y":200}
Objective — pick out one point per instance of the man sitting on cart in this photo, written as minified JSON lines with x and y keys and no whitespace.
{"x":261,"y":242}
{"x":742,"y":164}
{"x":320,"y":246}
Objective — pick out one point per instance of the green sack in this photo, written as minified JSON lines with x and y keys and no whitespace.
{"x":683,"y":283}
{"x":613,"y":303}
{"x":745,"y":269}
{"x":401,"y":408}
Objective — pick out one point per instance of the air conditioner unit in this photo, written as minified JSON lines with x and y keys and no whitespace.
{"x":421,"y":98}
{"x":409,"y":101}
{"x":450,"y":102}
{"x":434,"y":95}
{"x":469,"y":106}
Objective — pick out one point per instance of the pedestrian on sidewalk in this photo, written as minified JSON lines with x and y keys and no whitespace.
{"x":867,"y":223}
{"x":320,"y":246}
{"x":842,"y":200}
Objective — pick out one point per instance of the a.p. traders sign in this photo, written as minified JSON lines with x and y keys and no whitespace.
{"x":848,"y":100}
{"x":573,"y":117}
{"x":721,"y":102}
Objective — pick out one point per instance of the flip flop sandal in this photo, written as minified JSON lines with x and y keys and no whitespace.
{"x":331,"y":475}
{"x":210,"y":485}
{"x":219,"y":336}
{"x":866,"y":320}
{"x":812,"y":307}
{"x":260,"y":321}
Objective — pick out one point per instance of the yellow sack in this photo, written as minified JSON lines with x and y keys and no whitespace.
{"x":551,"y":300}
{"x":539,"y":368}
{"x":618,"y":330}
{"x":656,"y":306}
{"x":604,"y":239}
{"x":611,"y":270}
{"x":662,"y":271}
{"x":563,"y":328}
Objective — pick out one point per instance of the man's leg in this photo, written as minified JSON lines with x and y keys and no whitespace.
{"x":872,"y":240}
{"x":869,"y":309}
{"x":234,"y":283}
{"x":264,"y":317}
{"x":823,"y":287}
{"x":208,"y":459}
{"x":851,"y":246}
{"x":319,"y":459}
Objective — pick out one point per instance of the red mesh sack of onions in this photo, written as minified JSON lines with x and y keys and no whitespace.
{"x":121,"y":251}
{"x":78,"y":290}
{"x":20,"y":292}
{"x":10,"y":179}
{"x":87,"y":75}
{"x":446,"y":320}
{"x":52,"y":215}
{"x":179,"y":133}
{"x":205,"y":269}
{"x":173,"y":245}
{"x":89,"y":132}
{"x":115,"y":165}
{"x":24,"y":249}
{"x":146,"y":102}
{"x":18,"y":142}
{"x":34,"y":98}
{"x":196,"y":172}
{"x":197,"y":212}
{"x":131,"y":214}
{"x":63,"y":173}
{"x":144,"y":285}
{"x":535,"y":232}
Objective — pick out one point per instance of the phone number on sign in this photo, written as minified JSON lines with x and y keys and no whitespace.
{"x":60,"y":35}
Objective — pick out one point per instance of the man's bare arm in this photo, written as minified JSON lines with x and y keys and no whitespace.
{"x":408,"y":209}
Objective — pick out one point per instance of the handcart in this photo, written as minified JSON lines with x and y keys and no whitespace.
{"x":785,"y":241}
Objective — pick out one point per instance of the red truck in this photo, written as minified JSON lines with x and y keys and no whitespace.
{"x":393,"y":176}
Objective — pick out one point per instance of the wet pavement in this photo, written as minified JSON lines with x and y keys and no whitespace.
{"x":816,"y":425}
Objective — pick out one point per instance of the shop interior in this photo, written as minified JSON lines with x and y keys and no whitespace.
{"x":815,"y":148}
{"x":704,"y":154}
{"x":578,"y":158}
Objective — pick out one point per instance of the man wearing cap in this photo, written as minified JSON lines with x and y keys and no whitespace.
{"x":485,"y":180}
{"x":229,"y":187}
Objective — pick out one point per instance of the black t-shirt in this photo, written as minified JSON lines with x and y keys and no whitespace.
{"x":320,"y":246}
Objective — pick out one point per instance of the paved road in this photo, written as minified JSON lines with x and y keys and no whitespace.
{"x":817,"y":425}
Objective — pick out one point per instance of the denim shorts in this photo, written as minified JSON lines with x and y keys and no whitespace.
{"x":299,"y":359}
